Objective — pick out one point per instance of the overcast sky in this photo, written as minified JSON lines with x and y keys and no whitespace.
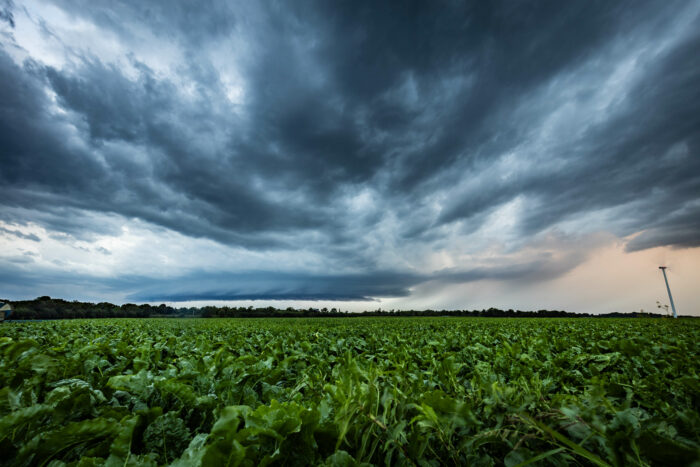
{"x":351,"y":154}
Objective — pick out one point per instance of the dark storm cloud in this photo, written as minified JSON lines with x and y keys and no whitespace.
{"x":6,"y":15}
{"x":18,"y":234}
{"x":20,"y":281}
{"x":179,"y":21}
{"x":163,"y":182}
{"x":266,"y":285}
{"x":277,"y":286}
{"x":418,"y":102}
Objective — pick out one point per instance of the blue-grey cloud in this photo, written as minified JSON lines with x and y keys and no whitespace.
{"x":445,"y":113}
{"x":18,"y":234}
{"x":267,"y":285}
{"x":6,"y":12}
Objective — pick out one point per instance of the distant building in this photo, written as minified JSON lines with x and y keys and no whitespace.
{"x":5,"y":311}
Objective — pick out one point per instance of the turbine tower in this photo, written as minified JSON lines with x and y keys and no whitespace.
{"x":670,"y":297}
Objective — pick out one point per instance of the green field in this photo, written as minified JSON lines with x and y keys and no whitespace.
{"x":399,"y":391}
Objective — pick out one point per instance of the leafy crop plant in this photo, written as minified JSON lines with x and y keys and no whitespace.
{"x":364,"y":391}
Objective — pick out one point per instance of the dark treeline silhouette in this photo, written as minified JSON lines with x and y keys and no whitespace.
{"x":55,"y":308}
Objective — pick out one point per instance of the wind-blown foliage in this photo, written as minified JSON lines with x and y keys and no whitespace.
{"x":414,"y":391}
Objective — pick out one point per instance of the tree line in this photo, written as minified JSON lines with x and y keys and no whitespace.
{"x":55,"y":308}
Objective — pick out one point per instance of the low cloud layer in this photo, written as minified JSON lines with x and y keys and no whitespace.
{"x":315,"y":150}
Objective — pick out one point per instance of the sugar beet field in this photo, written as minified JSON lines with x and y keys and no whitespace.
{"x":382,"y":391}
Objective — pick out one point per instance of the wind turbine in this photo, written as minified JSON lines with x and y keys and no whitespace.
{"x":670,"y":297}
